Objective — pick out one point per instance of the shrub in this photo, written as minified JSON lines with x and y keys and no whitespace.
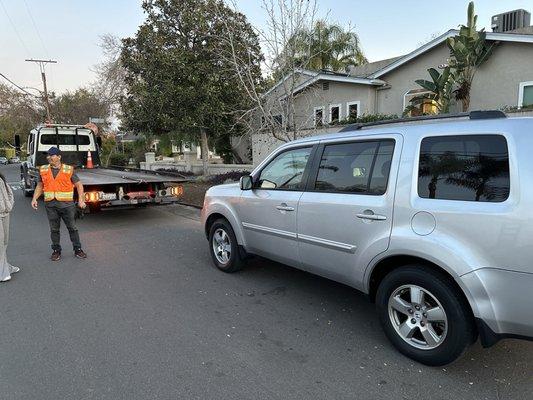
{"x":119,"y":159}
{"x":227,"y":176}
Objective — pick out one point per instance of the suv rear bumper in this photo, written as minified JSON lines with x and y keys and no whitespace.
{"x":502,"y":303}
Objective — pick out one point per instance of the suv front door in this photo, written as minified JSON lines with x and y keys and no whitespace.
{"x":268,"y":211}
{"x":345,"y":214}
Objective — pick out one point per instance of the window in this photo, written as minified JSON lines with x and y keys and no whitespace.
{"x":285,"y":172}
{"x":467,"y":167}
{"x":55,"y":140}
{"x":525,"y":94}
{"x":359,"y":167}
{"x":352,"y":109}
{"x":334,"y":113}
{"x":421,"y":107}
{"x":319,"y":116}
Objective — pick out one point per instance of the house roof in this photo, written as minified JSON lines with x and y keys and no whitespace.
{"x":363,"y":71}
{"x":330,"y":76}
{"x":495,"y":36}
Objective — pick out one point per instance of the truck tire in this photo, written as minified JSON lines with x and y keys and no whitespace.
{"x":223,"y":247}
{"x":28,"y":189}
{"x":424,"y":315}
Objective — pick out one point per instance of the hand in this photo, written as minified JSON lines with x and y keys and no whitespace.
{"x":34,"y":204}
{"x":81,"y":204}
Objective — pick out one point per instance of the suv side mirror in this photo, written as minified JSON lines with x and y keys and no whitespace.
{"x":17,"y":142}
{"x":246,"y":182}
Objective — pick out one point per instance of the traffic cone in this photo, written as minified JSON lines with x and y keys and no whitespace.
{"x":89,"y":160}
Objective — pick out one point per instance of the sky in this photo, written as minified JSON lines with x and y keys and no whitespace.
{"x":69,"y":30}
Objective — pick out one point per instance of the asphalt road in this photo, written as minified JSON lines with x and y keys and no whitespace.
{"x":147,"y":316}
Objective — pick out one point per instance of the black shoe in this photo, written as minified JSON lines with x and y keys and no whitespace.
{"x":80,"y":253}
{"x":56,"y":255}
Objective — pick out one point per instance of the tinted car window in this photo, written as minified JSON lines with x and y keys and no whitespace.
{"x":466,"y":167}
{"x":358,"y":167}
{"x":285,"y":171}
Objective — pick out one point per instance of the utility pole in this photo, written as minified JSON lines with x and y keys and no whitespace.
{"x":42,"y":64}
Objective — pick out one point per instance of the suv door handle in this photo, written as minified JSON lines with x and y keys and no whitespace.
{"x":372,"y":217}
{"x":284,"y":207}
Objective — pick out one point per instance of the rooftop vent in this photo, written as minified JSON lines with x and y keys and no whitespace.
{"x":511,"y":21}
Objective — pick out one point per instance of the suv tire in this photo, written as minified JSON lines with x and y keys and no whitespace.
{"x":223,"y":247}
{"x":424,"y":316}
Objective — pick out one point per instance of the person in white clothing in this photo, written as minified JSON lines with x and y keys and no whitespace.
{"x":6,"y":205}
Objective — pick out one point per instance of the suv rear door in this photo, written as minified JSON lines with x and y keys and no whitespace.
{"x":345,"y":214}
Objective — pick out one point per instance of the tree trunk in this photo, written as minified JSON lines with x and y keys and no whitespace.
{"x":205,"y":151}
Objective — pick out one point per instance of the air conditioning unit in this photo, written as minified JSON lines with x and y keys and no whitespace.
{"x":511,"y":20}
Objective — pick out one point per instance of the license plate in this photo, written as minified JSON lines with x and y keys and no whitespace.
{"x":108,"y":196}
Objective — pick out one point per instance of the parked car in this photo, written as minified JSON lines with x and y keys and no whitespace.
{"x":14,"y":160}
{"x":432,"y":220}
{"x":3,"y":160}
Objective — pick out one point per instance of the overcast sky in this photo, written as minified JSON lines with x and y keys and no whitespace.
{"x":69,"y":30}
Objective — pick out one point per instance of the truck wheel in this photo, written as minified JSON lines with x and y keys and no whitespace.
{"x":28,"y":190}
{"x":424,"y":316}
{"x":223,"y":247}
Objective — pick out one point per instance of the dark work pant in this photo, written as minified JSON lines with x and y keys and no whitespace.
{"x":55,"y":215}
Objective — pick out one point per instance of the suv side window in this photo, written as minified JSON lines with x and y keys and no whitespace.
{"x":285,"y":171}
{"x":464,"y":167}
{"x":357,"y":167}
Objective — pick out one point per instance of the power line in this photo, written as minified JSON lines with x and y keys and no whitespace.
{"x":14,"y":28}
{"x":42,"y":64}
{"x":36,"y":29}
{"x":17,"y":86}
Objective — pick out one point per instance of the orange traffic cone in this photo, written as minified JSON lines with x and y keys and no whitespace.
{"x":89,"y":160}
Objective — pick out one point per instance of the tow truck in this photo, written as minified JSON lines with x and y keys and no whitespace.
{"x":105,"y":187}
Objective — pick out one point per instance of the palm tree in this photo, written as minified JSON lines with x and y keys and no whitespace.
{"x":439,"y":88}
{"x":468,"y":50}
{"x":327,"y":46}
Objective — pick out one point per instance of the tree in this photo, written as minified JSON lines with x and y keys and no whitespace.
{"x":439,"y":88}
{"x":327,"y":46}
{"x":19,"y":113}
{"x":468,"y":51}
{"x":111,"y":83}
{"x":76,"y":107}
{"x":273,"y":113}
{"x":177,"y":77}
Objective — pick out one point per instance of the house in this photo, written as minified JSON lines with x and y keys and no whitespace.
{"x":322,"y":99}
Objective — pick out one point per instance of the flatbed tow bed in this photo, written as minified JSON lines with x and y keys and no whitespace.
{"x":105,"y":187}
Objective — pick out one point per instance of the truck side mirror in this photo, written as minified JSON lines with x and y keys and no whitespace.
{"x":17,"y":142}
{"x":99,"y":142}
{"x":246,"y":182}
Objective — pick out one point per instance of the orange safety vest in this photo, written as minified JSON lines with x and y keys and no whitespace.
{"x":60,"y":187}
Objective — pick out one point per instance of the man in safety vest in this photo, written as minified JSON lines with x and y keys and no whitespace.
{"x":57,"y":182}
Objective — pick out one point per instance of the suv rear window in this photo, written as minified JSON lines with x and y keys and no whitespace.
{"x":464,"y":167}
{"x":358,"y":167}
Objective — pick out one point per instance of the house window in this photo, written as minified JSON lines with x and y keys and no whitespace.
{"x":424,"y":107}
{"x":319,"y":116}
{"x":525,"y":94}
{"x":334,"y":113}
{"x":352,"y":109}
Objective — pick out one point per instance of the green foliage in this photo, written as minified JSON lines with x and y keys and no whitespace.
{"x":440,"y":88}
{"x":468,"y":51}
{"x":119,"y":159}
{"x":178,"y":71}
{"x":365,"y":118}
{"x":76,"y":107}
{"x":324,"y":46}
{"x":107,"y":149}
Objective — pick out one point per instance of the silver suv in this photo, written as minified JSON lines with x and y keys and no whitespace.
{"x":432,"y":220}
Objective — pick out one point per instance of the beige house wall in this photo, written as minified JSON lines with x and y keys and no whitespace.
{"x":401,"y":80}
{"x":497,"y":81}
{"x":339,"y":93}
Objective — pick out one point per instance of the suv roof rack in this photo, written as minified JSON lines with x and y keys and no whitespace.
{"x":488,"y":114}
